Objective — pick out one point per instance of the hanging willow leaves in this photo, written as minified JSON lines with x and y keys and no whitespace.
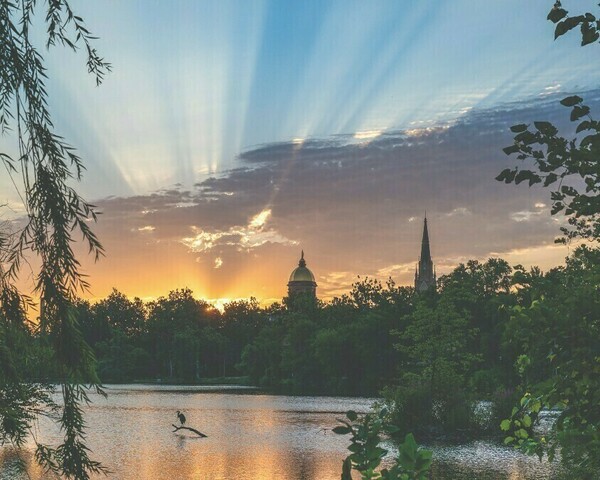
{"x":42,"y":170}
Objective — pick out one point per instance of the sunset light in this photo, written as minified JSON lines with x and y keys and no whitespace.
{"x":299,"y":240}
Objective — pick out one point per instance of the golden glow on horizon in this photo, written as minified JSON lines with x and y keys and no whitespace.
{"x":367,"y":134}
{"x":420,"y":132}
{"x":267,"y":279}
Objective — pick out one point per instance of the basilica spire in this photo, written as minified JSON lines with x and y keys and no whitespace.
{"x":425,"y":275}
{"x":425,"y":252}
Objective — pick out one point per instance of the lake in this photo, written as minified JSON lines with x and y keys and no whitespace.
{"x":251,"y":435}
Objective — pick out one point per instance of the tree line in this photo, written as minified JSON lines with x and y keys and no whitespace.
{"x":431,"y":354}
{"x":547,"y":325}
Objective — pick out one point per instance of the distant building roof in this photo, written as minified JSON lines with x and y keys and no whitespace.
{"x":301,"y":273}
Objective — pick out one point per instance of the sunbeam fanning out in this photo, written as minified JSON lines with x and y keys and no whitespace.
{"x":263,"y":213}
{"x":231,"y":134}
{"x":197,"y":83}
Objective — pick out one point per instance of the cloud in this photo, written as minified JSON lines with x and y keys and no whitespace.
{"x":246,"y":237}
{"x":354,"y":208}
{"x":202,"y":241}
{"x":524,"y":215}
{"x":396,"y":269}
{"x":461,"y":211}
{"x":259,"y":220}
{"x":367,"y":134}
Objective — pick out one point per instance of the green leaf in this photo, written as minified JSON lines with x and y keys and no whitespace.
{"x":571,"y":101}
{"x":521,"y":433}
{"x":585,"y":125}
{"x":521,"y":127}
{"x":355,"y":448}
{"x":588,"y":34}
{"x":579,"y":111}
{"x":352,"y":416}
{"x":546,"y":128}
{"x":550,"y":179}
{"x":527,"y":175}
{"x":507,"y":175}
{"x":393,"y":429}
{"x":568,"y":24}
{"x":410,"y":441}
{"x":556,"y":14}
{"x":511,"y":149}
{"x":347,"y":469}
{"x":341,"y":430}
{"x":505,"y":425}
{"x":526,"y":137}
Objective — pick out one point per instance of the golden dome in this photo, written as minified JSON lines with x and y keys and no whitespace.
{"x":301,"y":273}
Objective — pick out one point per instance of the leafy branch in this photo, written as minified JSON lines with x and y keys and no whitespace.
{"x":41,"y":174}
{"x":565,"y":164}
{"x":366,"y":436}
{"x":589,"y":25}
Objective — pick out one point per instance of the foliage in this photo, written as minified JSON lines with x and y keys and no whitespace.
{"x":42,"y":172}
{"x":589,"y":25}
{"x":563,"y":162}
{"x":437,"y":357}
{"x":559,"y":332}
{"x":556,"y":323}
{"x":366,"y":437}
{"x":342,"y":347}
{"x":569,"y":165}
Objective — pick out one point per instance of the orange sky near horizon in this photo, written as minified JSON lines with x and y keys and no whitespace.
{"x":230,"y":136}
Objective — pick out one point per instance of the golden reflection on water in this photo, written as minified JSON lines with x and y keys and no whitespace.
{"x":264,"y":463}
{"x":250,"y":437}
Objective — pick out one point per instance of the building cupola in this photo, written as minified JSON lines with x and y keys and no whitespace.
{"x":302,"y":280}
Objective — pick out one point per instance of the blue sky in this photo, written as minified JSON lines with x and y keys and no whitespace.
{"x":195,"y":83}
{"x":231,"y":134}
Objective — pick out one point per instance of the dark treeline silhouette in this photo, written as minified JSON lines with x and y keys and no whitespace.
{"x":448,"y":346}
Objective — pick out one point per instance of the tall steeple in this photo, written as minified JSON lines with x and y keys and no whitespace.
{"x":425,"y":274}
{"x":425,"y":253}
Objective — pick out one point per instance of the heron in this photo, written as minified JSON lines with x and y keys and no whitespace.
{"x":181,"y":417}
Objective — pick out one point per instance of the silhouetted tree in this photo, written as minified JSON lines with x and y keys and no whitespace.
{"x":43,"y":169}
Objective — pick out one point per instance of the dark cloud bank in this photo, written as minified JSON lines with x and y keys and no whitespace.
{"x":355,"y":206}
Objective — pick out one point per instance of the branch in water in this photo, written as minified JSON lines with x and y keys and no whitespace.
{"x":200,"y":434}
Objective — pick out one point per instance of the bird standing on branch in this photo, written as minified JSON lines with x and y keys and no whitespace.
{"x":181,"y":417}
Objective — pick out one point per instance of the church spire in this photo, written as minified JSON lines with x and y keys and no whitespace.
{"x":425,"y":252}
{"x":425,"y":275}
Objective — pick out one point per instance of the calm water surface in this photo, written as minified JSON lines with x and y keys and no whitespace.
{"x":250,"y":436}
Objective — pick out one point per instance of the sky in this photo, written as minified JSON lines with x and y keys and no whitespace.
{"x":232,"y":134}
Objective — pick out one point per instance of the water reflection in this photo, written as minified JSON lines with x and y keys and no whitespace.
{"x":485,"y":460}
{"x":250,"y":436}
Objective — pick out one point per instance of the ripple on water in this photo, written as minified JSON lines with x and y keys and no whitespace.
{"x":251,"y":436}
{"x":485,"y":460}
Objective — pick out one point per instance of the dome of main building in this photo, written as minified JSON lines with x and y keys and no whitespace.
{"x":302,"y":274}
{"x":302,"y":280}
